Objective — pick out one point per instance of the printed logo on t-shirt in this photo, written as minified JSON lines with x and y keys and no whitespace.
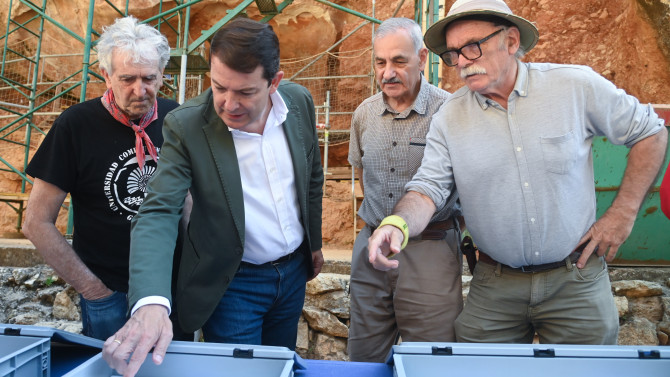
{"x":126,"y":185}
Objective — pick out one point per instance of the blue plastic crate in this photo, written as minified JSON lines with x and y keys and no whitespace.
{"x":24,"y":356}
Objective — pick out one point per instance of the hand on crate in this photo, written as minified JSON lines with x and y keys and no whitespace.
{"x":148,"y":328}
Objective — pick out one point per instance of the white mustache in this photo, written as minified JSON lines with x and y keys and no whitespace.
{"x":394,"y":80}
{"x":472,"y":70}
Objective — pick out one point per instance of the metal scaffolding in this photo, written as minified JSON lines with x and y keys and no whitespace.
{"x":31,"y":97}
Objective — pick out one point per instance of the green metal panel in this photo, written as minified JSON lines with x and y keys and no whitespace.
{"x":649,"y":242}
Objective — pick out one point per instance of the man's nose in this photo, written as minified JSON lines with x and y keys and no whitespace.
{"x":389,"y":72}
{"x":231,"y":103}
{"x":139,"y":88}
{"x":463,"y":61}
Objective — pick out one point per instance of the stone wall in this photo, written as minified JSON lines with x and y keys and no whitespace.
{"x":36,"y":296}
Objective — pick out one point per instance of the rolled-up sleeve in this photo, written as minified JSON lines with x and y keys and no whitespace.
{"x":435,"y":177}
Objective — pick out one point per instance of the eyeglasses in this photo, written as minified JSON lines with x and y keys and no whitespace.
{"x":470,"y":51}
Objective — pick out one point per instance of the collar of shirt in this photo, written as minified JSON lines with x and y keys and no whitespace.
{"x":419,"y":106}
{"x":277,"y":114}
{"x":520,"y":86}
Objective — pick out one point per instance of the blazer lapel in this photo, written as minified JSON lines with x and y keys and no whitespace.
{"x":296,"y":144}
{"x":222,"y":148}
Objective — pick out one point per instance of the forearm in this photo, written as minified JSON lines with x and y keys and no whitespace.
{"x":644,"y":163}
{"x":39,"y":227}
{"x":60,"y":255}
{"x":417,"y":210}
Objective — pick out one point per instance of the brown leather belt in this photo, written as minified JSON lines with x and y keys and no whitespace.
{"x":437,"y":230}
{"x":483,"y":257}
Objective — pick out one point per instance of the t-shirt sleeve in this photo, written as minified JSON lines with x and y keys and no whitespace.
{"x":55,"y":160}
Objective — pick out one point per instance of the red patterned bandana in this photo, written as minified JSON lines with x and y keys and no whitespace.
{"x":151,"y":115}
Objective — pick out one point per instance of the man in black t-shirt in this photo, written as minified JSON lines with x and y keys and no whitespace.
{"x":103,"y":152}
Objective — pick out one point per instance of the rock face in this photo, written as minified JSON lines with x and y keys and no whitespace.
{"x":627,"y":41}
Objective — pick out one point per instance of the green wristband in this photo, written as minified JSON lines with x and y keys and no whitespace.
{"x":399,"y":223}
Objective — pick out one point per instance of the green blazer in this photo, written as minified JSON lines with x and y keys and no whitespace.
{"x":198,"y":154}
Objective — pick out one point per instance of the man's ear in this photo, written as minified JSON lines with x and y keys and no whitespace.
{"x":423,"y":57}
{"x":513,"y":40}
{"x":108,"y":80}
{"x":275,"y":81}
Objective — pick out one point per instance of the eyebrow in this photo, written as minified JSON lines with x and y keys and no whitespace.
{"x":471,"y":40}
{"x":393,"y":58}
{"x":245,"y":89}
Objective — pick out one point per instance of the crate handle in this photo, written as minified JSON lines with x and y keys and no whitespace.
{"x":443,"y":351}
{"x":243,"y":354}
{"x":653,"y":354}
{"x":544,"y":353}
{"x":12,"y":332}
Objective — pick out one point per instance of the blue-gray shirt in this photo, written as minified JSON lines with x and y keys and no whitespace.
{"x":525,"y":174}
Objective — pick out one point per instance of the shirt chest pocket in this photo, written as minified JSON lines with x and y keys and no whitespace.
{"x":560,"y":152}
{"x":417,"y":145}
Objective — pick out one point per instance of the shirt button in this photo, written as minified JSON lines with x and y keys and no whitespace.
{"x":390,"y":195}
{"x":536,"y":253}
{"x":525,"y":184}
{"x":394,"y":143}
{"x":518,"y":149}
{"x":392,"y":170}
{"x":532,"y":219}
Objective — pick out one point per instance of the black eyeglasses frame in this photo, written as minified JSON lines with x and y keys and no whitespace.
{"x":459,"y":51}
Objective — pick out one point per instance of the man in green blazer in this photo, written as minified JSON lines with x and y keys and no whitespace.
{"x":247,"y":150}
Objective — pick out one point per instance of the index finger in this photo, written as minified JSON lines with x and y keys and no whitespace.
{"x":374,"y":246}
{"x":586,"y":252}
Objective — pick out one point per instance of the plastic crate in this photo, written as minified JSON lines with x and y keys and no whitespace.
{"x":416,"y":359}
{"x":23,"y":356}
{"x":205,"y":359}
{"x":65,"y":350}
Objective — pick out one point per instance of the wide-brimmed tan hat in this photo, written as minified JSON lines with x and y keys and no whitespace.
{"x":435,"y":38}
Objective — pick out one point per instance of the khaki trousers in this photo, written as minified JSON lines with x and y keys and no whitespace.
{"x":418,"y":302}
{"x":563,"y":305}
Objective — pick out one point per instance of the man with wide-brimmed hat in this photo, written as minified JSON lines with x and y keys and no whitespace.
{"x":516,"y":141}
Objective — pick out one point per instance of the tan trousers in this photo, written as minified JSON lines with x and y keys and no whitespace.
{"x":563,"y":305}
{"x":418,"y":302}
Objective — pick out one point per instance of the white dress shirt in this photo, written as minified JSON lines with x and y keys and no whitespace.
{"x":271,"y":208}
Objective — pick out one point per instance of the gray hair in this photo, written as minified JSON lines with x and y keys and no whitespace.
{"x":392,"y":25}
{"x":142,"y":43}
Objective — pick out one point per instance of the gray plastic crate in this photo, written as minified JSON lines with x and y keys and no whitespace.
{"x":205,"y":359}
{"x":55,"y":335}
{"x":65,"y":350}
{"x":416,"y":359}
{"x":22,"y":356}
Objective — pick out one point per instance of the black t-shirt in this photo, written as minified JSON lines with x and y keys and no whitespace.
{"x":92,"y":156}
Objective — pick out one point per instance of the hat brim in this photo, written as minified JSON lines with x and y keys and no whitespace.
{"x":436,"y":41}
